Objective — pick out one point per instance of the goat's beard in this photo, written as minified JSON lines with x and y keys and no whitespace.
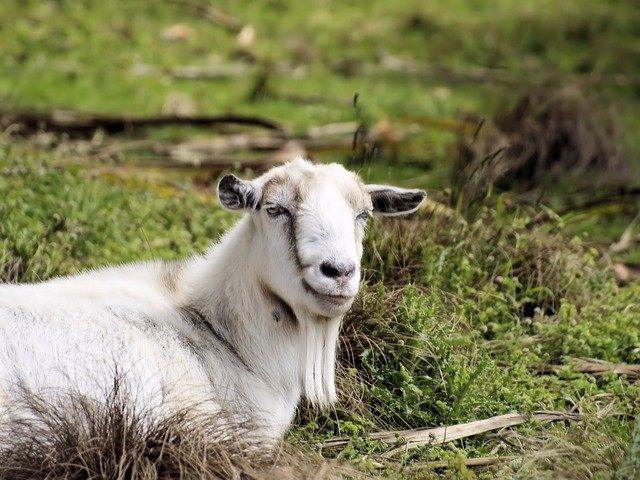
{"x":320,"y":340}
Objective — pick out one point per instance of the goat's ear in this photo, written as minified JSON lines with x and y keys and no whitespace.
{"x":392,"y":201}
{"x":236,"y":194}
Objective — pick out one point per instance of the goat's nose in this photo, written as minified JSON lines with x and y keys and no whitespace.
{"x":337,"y":270}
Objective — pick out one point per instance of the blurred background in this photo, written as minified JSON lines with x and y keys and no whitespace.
{"x":466,"y":98}
{"x":513,"y":290}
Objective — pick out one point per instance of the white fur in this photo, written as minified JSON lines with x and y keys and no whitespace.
{"x":76,"y":333}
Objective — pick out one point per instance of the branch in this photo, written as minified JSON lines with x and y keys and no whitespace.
{"x":626,"y":272}
{"x":622,"y":198}
{"x":627,"y":238}
{"x":439,"y":435}
{"x":215,"y":15}
{"x":231,"y":70}
{"x":470,"y":462}
{"x":74,"y":123}
{"x":594,"y":367}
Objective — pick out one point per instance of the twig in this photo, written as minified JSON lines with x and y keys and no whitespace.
{"x":469,"y":462}
{"x":482,"y":461}
{"x":409,"y":67}
{"x":324,"y":137}
{"x":215,"y":164}
{"x":215,"y":15}
{"x":217,"y":147}
{"x":74,"y":123}
{"x":543,"y":216}
{"x":230,"y":70}
{"x":594,"y":367}
{"x":626,"y":239}
{"x":439,"y":435}
{"x":626,"y":272}
{"x":590,"y":366}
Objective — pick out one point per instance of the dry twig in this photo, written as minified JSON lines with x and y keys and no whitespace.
{"x":595,"y":367}
{"x":627,"y":238}
{"x":215,"y":15}
{"x":626,"y":272}
{"x":74,"y":123}
{"x":439,"y":435}
{"x":631,"y":195}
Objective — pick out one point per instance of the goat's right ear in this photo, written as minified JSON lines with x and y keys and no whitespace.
{"x":236,"y":194}
{"x":393,"y":201}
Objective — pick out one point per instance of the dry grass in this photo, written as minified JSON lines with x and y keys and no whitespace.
{"x":74,"y":437}
{"x":599,"y":450}
{"x":439,"y":245}
{"x":549,"y":136}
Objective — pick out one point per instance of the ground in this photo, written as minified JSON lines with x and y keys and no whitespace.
{"x":499,"y":296}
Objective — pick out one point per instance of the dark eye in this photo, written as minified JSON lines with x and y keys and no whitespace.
{"x":276,"y":210}
{"x":364,"y":215}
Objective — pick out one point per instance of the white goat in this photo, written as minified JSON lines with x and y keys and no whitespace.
{"x":248,"y":327}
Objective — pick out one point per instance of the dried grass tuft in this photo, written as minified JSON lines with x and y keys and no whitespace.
{"x":438,"y":248}
{"x":548,"y":136}
{"x":75,"y":437}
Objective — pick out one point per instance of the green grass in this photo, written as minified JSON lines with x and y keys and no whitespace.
{"x":57,"y":221}
{"x":447,"y":329}
{"x":89,"y":55}
{"x":459,"y":308}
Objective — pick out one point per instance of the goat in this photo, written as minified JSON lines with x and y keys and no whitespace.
{"x":248,"y":328}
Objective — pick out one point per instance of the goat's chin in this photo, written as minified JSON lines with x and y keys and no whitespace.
{"x":327,"y":305}
{"x":331,"y":307}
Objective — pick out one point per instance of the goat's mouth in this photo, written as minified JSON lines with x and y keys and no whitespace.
{"x":335,"y":300}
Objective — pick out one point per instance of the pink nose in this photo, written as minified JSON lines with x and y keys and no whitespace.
{"x":337,"y":271}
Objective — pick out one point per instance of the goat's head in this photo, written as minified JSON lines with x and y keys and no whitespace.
{"x":311,"y":220}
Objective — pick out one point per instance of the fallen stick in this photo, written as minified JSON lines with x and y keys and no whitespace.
{"x":215,"y":15}
{"x":626,"y":272}
{"x":453,"y":76}
{"x":473,"y":462}
{"x":84,"y":124}
{"x":627,"y":239}
{"x":596,"y":368}
{"x":210,"y":73}
{"x":625,"y":198}
{"x":483,"y":461}
{"x":581,"y":365}
{"x":440,"y":435}
{"x":217,"y":164}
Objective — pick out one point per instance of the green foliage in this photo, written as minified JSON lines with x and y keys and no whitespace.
{"x":630,"y":466}
{"x":110,"y":56}
{"x":457,"y":313}
{"x":430,"y":372}
{"x":490,"y":301}
{"x":56,"y":221}
{"x":450,"y":327}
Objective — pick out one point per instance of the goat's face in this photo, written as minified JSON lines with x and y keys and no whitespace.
{"x":310,"y":221}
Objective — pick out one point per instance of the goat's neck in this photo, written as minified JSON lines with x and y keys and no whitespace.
{"x":284,"y":343}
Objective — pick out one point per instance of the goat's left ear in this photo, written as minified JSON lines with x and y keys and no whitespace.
{"x":392,"y":201}
{"x":236,"y":194}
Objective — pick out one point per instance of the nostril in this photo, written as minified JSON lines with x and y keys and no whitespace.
{"x":335,"y":271}
{"x":329,"y":270}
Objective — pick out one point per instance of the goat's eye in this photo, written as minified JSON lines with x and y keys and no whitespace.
{"x":276,"y":210}
{"x":364,"y":215}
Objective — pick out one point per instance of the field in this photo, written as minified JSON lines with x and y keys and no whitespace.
{"x":514,"y":290}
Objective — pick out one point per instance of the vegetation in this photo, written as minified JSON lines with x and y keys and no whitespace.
{"x":485,"y":302}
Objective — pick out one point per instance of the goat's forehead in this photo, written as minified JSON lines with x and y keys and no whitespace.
{"x":300,"y":183}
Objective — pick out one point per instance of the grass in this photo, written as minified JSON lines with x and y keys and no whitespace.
{"x":460,"y":307}
{"x":447,"y":329}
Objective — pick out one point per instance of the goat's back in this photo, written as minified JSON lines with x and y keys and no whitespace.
{"x":80,"y":333}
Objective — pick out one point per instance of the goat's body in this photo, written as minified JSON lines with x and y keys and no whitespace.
{"x":243,"y":330}
{"x":148,"y":325}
